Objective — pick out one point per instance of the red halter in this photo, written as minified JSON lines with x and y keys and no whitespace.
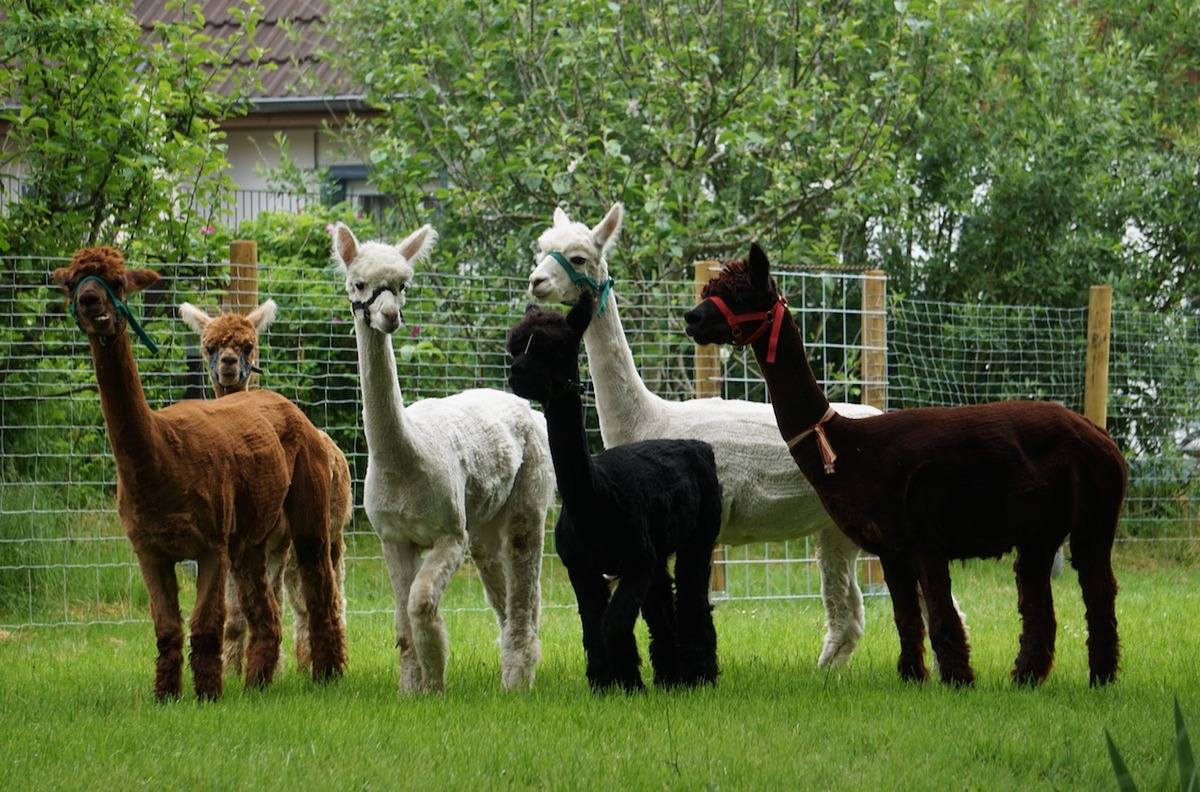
{"x":772,"y":318}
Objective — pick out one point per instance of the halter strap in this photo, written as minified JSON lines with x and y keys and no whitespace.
{"x":363,"y":305}
{"x":122,"y":311}
{"x":577,"y":278}
{"x":828,"y":455}
{"x":770,"y":319}
{"x":247,"y":368}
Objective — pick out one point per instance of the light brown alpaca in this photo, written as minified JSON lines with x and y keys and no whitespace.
{"x":218,"y":481}
{"x":229,"y":344}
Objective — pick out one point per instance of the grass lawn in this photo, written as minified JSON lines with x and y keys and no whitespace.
{"x":77,"y":710}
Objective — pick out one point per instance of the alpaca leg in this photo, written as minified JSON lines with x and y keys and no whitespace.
{"x":401,"y":559}
{"x":1035,"y":601}
{"x":277,"y":560}
{"x":962,"y":618}
{"x":163,"y":588}
{"x":906,"y":609}
{"x":207,"y":625}
{"x":234,"y":651}
{"x":326,"y":630}
{"x":658,"y":609}
{"x":845,"y":618}
{"x":592,"y":593}
{"x":484,"y":546}
{"x":295,"y":594}
{"x":249,"y":567}
{"x":619,"y":620}
{"x":430,"y":640}
{"x":946,"y":634}
{"x":1099,"y":587}
{"x":520,"y":646}
{"x":307,"y":506}
{"x":697,"y":635}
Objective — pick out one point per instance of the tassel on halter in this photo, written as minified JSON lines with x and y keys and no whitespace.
{"x":828,"y":455}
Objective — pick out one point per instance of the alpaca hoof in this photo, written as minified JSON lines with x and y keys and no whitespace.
{"x":1027,"y":678}
{"x":836,"y":651}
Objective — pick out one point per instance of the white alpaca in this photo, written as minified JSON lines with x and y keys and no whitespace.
{"x":469,"y":471}
{"x":763,"y":498}
{"x":229,"y":344}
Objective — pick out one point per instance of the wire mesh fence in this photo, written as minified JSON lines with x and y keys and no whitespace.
{"x":64,"y":558}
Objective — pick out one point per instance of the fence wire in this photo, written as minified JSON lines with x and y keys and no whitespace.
{"x":64,"y":558}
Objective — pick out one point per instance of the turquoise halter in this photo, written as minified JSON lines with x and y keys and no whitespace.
{"x":122,"y":310}
{"x":247,"y":368}
{"x":577,"y":278}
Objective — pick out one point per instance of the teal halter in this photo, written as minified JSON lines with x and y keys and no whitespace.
{"x":122,"y":310}
{"x":577,"y":278}
{"x":245,"y":370}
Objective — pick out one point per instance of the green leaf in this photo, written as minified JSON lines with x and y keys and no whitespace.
{"x":1124,"y":778}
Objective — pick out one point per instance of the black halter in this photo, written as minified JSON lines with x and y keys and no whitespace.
{"x":363,"y":305}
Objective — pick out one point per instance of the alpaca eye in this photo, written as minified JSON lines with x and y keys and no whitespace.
{"x":578,"y":261}
{"x":401,"y":287}
{"x":210,"y":350}
{"x":359,"y":285}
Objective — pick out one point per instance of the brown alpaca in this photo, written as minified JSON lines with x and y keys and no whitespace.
{"x":923,"y":486}
{"x":218,"y":481}
{"x":229,"y":344}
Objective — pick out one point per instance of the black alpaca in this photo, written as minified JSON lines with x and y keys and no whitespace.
{"x":625,"y":512}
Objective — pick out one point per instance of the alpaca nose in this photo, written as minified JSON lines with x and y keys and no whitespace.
{"x":692,"y":320}
{"x":228,"y":359}
{"x":390,"y":314}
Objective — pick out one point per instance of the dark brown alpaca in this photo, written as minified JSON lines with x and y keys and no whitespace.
{"x":217,"y":481}
{"x":921,"y":487}
{"x":229,"y":344}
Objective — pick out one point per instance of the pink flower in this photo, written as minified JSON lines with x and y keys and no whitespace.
{"x":416,"y":330}
{"x":329,"y":228}
{"x":208,"y":230}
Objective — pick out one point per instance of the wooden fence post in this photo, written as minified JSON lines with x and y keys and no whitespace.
{"x":1095,"y":386}
{"x":874,"y":374}
{"x":708,"y":383}
{"x":242,"y":296}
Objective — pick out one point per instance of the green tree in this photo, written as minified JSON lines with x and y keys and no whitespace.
{"x":116,"y":138}
{"x":1061,"y":152}
{"x":715,"y":122}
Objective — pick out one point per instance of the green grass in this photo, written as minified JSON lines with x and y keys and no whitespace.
{"x":78,"y":712}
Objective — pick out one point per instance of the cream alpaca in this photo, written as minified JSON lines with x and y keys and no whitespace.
{"x":229,"y":344}
{"x":763,"y":498}
{"x":467,"y":472}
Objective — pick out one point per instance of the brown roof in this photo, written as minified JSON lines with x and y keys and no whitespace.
{"x":300,"y":73}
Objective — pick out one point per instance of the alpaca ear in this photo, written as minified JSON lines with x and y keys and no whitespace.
{"x":580,"y":315}
{"x":138,"y":279}
{"x":560,"y":217}
{"x":345,"y":246}
{"x":193,"y":317}
{"x":605,"y":232}
{"x":760,"y":268}
{"x":62,"y":277}
{"x":262,"y":316}
{"x":418,"y":244}
{"x":532,"y":308}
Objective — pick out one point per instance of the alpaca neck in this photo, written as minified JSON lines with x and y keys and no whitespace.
{"x":389,"y":435}
{"x":130,"y":421}
{"x":622,"y":399}
{"x":573,"y":465}
{"x":796,"y":395}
